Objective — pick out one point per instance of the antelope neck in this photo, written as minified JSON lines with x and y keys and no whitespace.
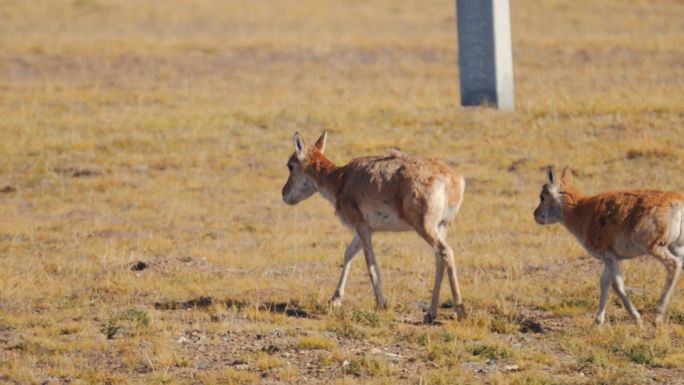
{"x":570,"y":203}
{"x":326,"y":175}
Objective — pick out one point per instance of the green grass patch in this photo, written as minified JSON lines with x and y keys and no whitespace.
{"x":489,"y":351}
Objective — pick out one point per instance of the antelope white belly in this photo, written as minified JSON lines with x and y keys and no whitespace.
{"x":384,"y":218}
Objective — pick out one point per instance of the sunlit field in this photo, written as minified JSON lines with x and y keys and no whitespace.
{"x":143,"y":238}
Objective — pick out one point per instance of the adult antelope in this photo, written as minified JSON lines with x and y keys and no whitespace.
{"x":396,"y":192}
{"x":619,"y":225}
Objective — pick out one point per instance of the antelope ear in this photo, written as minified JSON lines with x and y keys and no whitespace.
{"x":320,"y":143}
{"x":566,"y":176}
{"x":299,"y":146}
{"x":551,"y":176}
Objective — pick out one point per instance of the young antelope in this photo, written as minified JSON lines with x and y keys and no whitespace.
{"x":395,"y":192}
{"x":619,"y":225}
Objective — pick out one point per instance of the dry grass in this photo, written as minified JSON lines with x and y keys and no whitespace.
{"x":158,"y":131}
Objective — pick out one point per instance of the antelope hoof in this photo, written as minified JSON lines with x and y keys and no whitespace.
{"x":336,"y":300}
{"x":460,"y":312}
{"x":428,"y":318}
{"x":598,"y":321}
{"x":639,"y":324}
{"x":659,"y":319}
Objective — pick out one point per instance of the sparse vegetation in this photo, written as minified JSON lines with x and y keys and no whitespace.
{"x":143,"y":238}
{"x":489,"y":351}
{"x":110,"y":329}
{"x":368,"y":366}
{"x":139,"y":317}
{"x":316,"y":342}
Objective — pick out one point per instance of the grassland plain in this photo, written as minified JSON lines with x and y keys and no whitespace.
{"x":158,"y":131}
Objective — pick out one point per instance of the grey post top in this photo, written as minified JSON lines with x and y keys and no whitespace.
{"x":485,"y":56}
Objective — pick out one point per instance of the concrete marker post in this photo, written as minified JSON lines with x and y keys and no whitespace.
{"x":484,"y":53}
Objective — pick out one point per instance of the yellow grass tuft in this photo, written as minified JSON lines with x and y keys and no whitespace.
{"x":316,"y":342}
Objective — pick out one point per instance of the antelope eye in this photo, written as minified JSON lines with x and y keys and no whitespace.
{"x":289,"y":167}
